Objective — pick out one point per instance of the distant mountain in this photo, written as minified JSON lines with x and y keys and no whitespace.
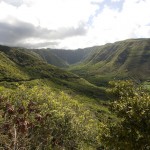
{"x":21,"y":65}
{"x":63,"y":58}
{"x":99,"y":64}
{"x":50,"y":57}
{"x":129,"y":58}
{"x":72,"y":56}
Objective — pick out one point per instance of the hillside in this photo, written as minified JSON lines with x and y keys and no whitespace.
{"x":52,"y":108}
{"x":18,"y":65}
{"x":124,"y":59}
{"x":41,"y":102}
{"x":63,"y":58}
{"x":94,"y":66}
{"x":51,"y":58}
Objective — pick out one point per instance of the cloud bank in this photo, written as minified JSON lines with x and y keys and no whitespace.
{"x":72,"y":23}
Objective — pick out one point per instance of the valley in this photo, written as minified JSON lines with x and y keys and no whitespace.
{"x":79,"y":98}
{"x":127,"y":59}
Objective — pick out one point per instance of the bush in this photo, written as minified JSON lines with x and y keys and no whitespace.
{"x":132,"y":106}
{"x":37,"y":118}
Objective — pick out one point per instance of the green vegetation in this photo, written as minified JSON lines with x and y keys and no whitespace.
{"x":9,"y":70}
{"x":51,"y":58}
{"x":38,"y":118}
{"x":132,"y":107}
{"x":24,"y":65}
{"x":146,"y":84}
{"x":43,"y":107}
{"x":127,"y":59}
{"x":63,"y":58}
{"x":121,"y":60}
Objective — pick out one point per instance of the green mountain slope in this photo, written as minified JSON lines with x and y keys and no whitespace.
{"x":24,"y":65}
{"x":72,"y":56}
{"x":63,"y":58}
{"x":124,"y":59}
{"x":27,"y":62}
{"x":52,"y":58}
{"x":129,"y":58}
{"x":98,"y":65}
{"x":10,"y":70}
{"x":33,"y":89}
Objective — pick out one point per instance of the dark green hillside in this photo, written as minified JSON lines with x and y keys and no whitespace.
{"x":129,"y":58}
{"x":63,"y":58}
{"x":18,"y":64}
{"x":30,"y":63}
{"x":72,"y":56}
{"x":52,"y":58}
{"x":98,"y":65}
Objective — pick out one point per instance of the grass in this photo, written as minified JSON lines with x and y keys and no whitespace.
{"x":146,"y":84}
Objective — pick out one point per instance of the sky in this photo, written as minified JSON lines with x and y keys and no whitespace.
{"x":72,"y":24}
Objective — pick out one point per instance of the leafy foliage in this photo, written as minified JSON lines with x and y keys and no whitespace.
{"x":132,"y":131}
{"x":37,"y":118}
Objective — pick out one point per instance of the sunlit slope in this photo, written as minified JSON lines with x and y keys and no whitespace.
{"x":25,"y":62}
{"x":9,"y":70}
{"x":19,"y":64}
{"x":120,"y":59}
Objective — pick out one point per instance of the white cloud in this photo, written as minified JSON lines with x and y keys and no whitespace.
{"x":116,"y":0}
{"x":71,"y":18}
{"x":51,"y":13}
{"x":112,"y":25}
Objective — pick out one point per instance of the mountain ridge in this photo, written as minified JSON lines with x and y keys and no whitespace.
{"x":21,"y":65}
{"x":122,"y":59}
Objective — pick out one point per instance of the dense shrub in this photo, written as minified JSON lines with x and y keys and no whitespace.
{"x":132,"y":106}
{"x":37,"y":118}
